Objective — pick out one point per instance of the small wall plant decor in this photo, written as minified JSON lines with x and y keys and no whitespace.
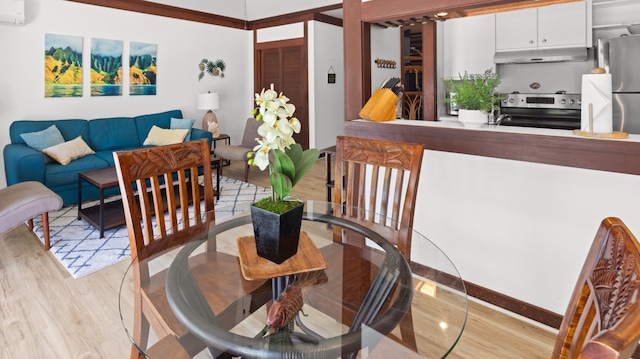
{"x":213,"y":68}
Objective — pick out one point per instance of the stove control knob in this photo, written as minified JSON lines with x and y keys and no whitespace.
{"x":579,"y":101}
{"x":571,"y":101}
{"x":563,"y":101}
{"x":512,"y":100}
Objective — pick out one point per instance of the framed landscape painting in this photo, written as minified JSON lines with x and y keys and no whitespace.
{"x":62,"y":66}
{"x":106,"y":67}
{"x":142,"y":69}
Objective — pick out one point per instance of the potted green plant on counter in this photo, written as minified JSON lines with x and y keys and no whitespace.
{"x":475,"y":96}
{"x":277,"y":219}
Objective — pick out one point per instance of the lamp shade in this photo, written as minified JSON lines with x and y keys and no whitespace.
{"x":208,"y":101}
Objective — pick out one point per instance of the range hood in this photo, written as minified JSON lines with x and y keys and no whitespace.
{"x":546,"y":55}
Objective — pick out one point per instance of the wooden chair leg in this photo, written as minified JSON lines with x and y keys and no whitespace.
{"x":221,"y":165}
{"x":140,"y":334}
{"x":407,"y":331}
{"x":246,"y":172}
{"x":45,"y":230}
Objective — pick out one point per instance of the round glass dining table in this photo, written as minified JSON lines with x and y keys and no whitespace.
{"x":336,"y":298}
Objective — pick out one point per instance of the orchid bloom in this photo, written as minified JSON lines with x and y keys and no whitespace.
{"x":278,"y":124}
{"x":276,"y":140}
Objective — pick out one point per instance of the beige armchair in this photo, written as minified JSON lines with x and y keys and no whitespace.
{"x":234,"y":152}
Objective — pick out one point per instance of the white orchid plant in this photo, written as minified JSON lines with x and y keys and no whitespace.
{"x":276,"y":148}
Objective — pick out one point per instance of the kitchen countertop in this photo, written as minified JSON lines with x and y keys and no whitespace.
{"x":547,"y":146}
{"x":452,"y":122}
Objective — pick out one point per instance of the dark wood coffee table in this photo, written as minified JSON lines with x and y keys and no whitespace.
{"x":104,"y":215}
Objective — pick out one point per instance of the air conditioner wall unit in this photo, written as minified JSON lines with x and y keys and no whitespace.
{"x":12,"y":12}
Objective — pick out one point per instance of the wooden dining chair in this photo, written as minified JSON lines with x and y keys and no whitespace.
{"x":145,"y":177}
{"x":376,"y":185}
{"x":163,"y":179}
{"x":376,"y":181}
{"x":603,"y":316}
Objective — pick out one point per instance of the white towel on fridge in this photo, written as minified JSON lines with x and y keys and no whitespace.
{"x":596,"y":90}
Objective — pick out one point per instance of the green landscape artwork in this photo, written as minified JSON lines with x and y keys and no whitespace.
{"x":106,"y":67}
{"x":62,"y":66}
{"x":142,"y":69}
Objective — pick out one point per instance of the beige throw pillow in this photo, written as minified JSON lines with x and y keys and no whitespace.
{"x":69,"y":151}
{"x":160,"y":136}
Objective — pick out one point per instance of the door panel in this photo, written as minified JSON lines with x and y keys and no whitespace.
{"x":285,"y":66}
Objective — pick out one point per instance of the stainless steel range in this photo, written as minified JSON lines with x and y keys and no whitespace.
{"x":559,"y":110}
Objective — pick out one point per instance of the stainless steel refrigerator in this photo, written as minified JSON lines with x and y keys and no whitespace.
{"x":621,"y":57}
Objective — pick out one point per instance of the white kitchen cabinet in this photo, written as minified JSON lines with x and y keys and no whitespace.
{"x":468,"y":45}
{"x":517,"y":30}
{"x":552,"y":26}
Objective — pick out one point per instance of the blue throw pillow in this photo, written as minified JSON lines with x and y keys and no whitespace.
{"x":182,"y":123}
{"x":40,"y":140}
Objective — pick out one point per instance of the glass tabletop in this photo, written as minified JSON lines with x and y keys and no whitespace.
{"x":419,"y":309}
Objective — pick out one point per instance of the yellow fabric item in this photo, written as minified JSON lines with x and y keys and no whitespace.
{"x":160,"y":136}
{"x":69,"y":151}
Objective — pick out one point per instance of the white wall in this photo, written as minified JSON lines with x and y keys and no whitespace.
{"x":522,"y":229}
{"x":385,"y":44}
{"x":281,"y":32}
{"x":181,"y":46}
{"x":326,"y":111}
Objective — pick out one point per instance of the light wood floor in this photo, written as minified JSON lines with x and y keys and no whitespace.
{"x":45,"y":313}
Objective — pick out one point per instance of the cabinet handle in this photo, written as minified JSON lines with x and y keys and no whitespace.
{"x":544,"y":40}
{"x":530,"y":42}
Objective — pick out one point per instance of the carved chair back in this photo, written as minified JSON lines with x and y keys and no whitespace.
{"x":603,"y":317}
{"x":144,"y":175}
{"x":376,"y":186}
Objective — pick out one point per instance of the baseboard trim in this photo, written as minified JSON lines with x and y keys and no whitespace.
{"x":506,"y":302}
{"x":500,"y":300}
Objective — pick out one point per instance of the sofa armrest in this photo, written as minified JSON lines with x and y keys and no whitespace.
{"x":23,"y":163}
{"x":197,"y":134}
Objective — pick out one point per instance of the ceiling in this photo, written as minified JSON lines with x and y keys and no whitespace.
{"x":478,"y":11}
{"x":250,"y":10}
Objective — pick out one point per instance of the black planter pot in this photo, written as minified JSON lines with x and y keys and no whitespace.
{"x":277,"y":235}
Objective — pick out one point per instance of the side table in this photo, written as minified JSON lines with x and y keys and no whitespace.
{"x":216,"y":162}
{"x":104,"y":215}
{"x":227,"y":141}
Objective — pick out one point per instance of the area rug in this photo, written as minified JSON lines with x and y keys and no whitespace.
{"x":78,"y":246}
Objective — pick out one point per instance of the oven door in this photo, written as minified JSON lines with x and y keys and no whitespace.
{"x":563,"y":119}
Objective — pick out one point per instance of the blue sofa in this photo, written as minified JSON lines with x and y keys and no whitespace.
{"x":104,"y":136}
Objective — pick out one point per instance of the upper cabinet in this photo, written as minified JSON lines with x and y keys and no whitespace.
{"x":468,"y":45}
{"x":553,"y":26}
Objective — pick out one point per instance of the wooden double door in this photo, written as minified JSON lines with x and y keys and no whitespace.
{"x":284,"y":64}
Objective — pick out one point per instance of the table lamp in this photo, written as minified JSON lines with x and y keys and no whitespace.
{"x":209,"y":101}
